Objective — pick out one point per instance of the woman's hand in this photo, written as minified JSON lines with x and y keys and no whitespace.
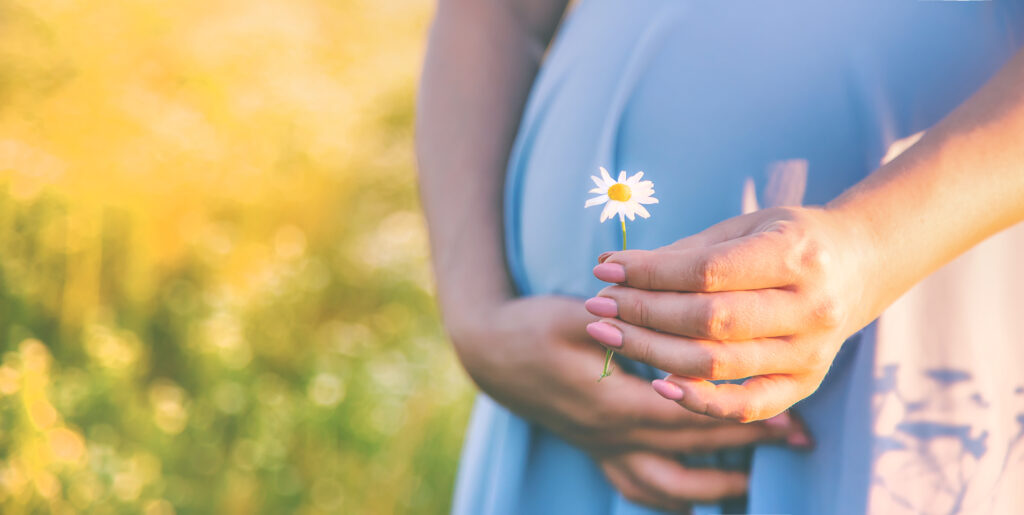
{"x":534,"y":356}
{"x":659,"y":481}
{"x":772,"y":295}
{"x":768,"y":297}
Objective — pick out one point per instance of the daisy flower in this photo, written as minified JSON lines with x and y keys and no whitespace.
{"x":624,"y":197}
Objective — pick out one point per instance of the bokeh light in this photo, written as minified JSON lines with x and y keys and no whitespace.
{"x":215,"y":294}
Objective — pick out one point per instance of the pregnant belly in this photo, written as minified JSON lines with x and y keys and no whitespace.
{"x":627,"y":88}
{"x":707,"y":97}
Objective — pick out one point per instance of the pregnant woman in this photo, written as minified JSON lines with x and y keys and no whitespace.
{"x":888,"y":314}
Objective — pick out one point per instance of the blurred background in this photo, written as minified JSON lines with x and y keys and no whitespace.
{"x":215,"y":294}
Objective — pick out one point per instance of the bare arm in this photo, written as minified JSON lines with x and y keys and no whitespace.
{"x":961,"y":183}
{"x":481,"y":60}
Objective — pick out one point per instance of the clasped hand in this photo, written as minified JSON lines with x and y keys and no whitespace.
{"x":533,"y":356}
{"x":767,"y":297}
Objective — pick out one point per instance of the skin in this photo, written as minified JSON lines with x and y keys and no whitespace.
{"x":533,"y":354}
{"x":772,"y":295}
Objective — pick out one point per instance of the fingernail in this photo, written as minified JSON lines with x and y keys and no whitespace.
{"x":610,"y":272}
{"x":605,"y":333}
{"x":799,"y":440}
{"x":604,"y":256}
{"x":602,"y":307}
{"x":667,"y":390}
{"x":780,"y":421}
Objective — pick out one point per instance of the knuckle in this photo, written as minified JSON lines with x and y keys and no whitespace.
{"x":640,"y":311}
{"x":709,"y":273}
{"x":651,"y":275}
{"x":712,"y":409}
{"x":800,"y":253}
{"x":791,"y":266}
{"x":643,"y":351}
{"x":717,"y":321}
{"x":814,"y":256}
{"x":645,"y":271}
{"x":829,"y":312}
{"x":817,"y":357}
{"x":705,"y":408}
{"x":749,"y":411}
{"x":712,"y":365}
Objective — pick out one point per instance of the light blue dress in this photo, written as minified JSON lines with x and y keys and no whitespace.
{"x":704,"y":97}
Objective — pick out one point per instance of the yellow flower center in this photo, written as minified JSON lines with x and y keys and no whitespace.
{"x":619,"y":192}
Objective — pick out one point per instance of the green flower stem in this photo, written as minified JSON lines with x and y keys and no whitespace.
{"x":623,"y":234}
{"x":608,"y":353}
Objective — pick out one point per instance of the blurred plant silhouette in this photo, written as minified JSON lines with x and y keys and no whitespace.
{"x":214,"y":289}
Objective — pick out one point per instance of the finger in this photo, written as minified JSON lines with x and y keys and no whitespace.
{"x":756,"y":398}
{"x":629,"y":487}
{"x":694,"y":241}
{"x":680,"y":485}
{"x":730,"y":315}
{"x":705,"y":359}
{"x":709,"y":439}
{"x":725,"y":230}
{"x":760,"y":260}
{"x":630,"y":400}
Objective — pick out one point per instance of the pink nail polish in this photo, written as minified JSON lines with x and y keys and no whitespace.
{"x":610,"y":272}
{"x":605,"y":333}
{"x":799,"y":440}
{"x":667,"y":390}
{"x":602,"y":307}
{"x":780,"y":421}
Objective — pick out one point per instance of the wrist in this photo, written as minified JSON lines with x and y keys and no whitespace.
{"x":466,"y":319}
{"x":867,"y":259}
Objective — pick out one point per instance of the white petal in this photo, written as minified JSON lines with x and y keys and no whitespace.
{"x":624,"y":211}
{"x":642,"y":211}
{"x":609,"y":210}
{"x":622,"y":176}
{"x":607,"y":178}
{"x":630,"y":215}
{"x":635,"y":179}
{"x":627,"y":210}
{"x":598,"y":190}
{"x":596,"y":201}
{"x":647,"y":200}
{"x":597,"y":180}
{"x":620,"y":207}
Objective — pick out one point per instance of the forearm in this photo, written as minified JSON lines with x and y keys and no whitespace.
{"x":481,"y":60}
{"x":961,"y":183}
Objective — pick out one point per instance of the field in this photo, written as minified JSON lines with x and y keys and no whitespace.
{"x":215,"y":294}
